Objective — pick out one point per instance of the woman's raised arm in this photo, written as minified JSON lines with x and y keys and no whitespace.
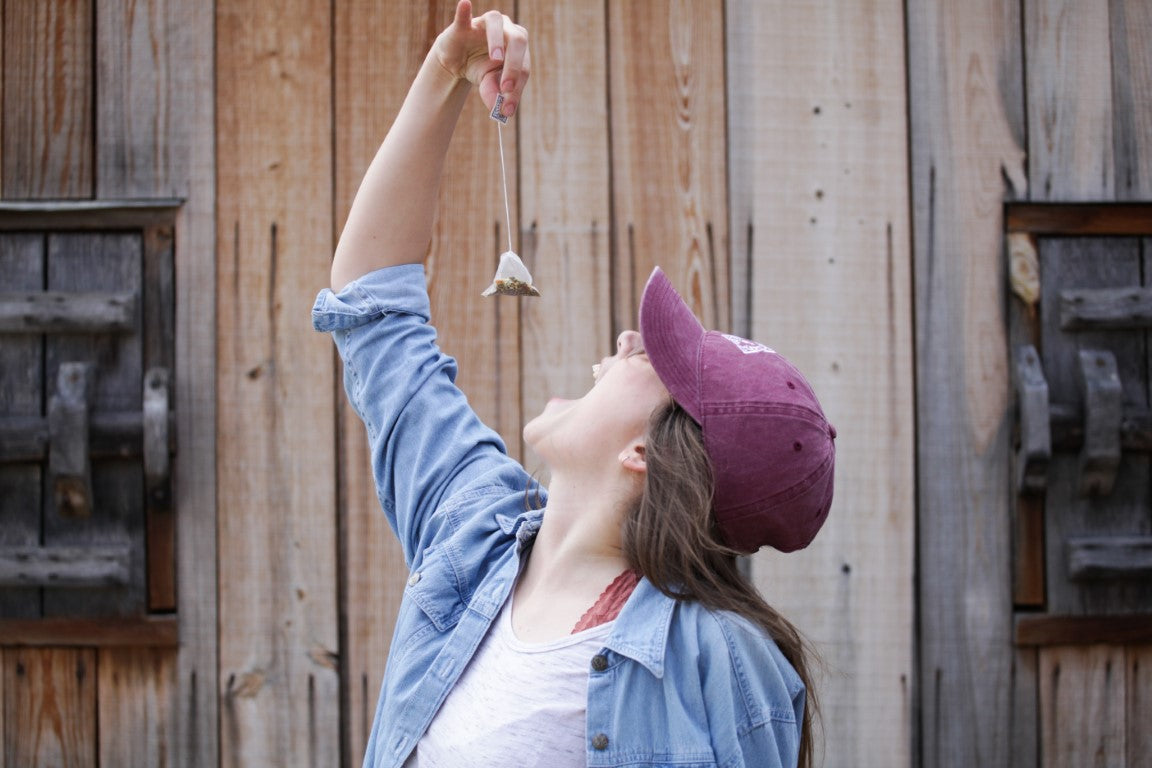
{"x":391,"y":218}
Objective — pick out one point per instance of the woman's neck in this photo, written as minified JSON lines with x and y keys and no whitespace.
{"x":574,"y":558}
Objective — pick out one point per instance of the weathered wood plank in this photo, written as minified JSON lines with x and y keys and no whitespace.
{"x":100,"y":262}
{"x":565,"y":177}
{"x":821,"y":272}
{"x":38,"y":215}
{"x":470,"y":233}
{"x":64,"y":566}
{"x":47,"y":99}
{"x":1139,"y":705}
{"x":156,"y":118}
{"x":276,"y":487}
{"x":50,"y":707}
{"x":669,"y":197}
{"x":59,"y":312}
{"x":1092,"y":263}
{"x":966,"y":89}
{"x":1070,"y":109}
{"x":1105,"y":308}
{"x":1078,"y":218}
{"x":372,"y":568}
{"x":1110,"y":557}
{"x":1131,"y":29}
{"x":1048,"y":629}
{"x":136,"y":699}
{"x":150,"y":631}
{"x":1082,"y":706}
{"x":21,"y":396}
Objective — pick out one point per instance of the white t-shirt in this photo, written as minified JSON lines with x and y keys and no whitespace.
{"x":516,"y":704}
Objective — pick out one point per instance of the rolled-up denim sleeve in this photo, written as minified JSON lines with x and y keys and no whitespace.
{"x":426,"y":441}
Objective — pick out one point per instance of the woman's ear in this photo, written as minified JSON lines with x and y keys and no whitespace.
{"x":633,"y":459}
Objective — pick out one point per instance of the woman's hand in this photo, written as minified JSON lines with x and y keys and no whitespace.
{"x":489,"y":51}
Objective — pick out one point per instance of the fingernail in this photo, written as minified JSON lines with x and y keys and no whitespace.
{"x":497,"y":54}
{"x":509,"y":108}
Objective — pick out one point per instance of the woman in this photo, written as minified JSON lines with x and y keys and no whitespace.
{"x":612,"y":627}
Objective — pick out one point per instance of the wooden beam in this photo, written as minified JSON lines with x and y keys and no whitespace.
{"x":1069,"y":219}
{"x":153,"y":631}
{"x":96,"y":566}
{"x":1083,"y":630}
{"x":1110,"y":557}
{"x":60,"y":312}
{"x":25,"y":216}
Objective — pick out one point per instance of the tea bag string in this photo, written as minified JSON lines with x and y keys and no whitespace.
{"x":504,"y":176}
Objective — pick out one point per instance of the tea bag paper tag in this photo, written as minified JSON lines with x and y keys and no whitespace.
{"x":495,"y":114}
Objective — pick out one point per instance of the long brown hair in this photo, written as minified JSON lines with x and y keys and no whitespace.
{"x":670,"y":537}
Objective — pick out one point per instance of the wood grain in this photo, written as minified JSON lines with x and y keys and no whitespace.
{"x":1131,"y":29}
{"x":821,"y":268}
{"x":1138,"y":706}
{"x":1089,"y":263}
{"x":50,"y":707}
{"x":668,"y":153}
{"x":469,"y":234}
{"x":966,"y":88}
{"x":102,"y":262}
{"x":275,"y":454}
{"x":136,"y":697}
{"x":21,"y":394}
{"x":372,"y":568}
{"x":1070,"y":110}
{"x":188,"y":142}
{"x":565,"y":193}
{"x":47,"y":100}
{"x":1082,"y":706}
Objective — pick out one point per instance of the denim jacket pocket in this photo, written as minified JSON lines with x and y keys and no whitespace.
{"x":433,"y":587}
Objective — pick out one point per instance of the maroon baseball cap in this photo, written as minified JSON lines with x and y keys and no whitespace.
{"x":772,"y":450}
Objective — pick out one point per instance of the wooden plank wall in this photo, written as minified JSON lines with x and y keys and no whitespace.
{"x":1074,"y":128}
{"x":138,"y":124}
{"x":766,"y":154}
{"x":821,"y":264}
{"x":1089,"y":106}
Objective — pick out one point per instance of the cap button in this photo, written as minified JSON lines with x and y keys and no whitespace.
{"x":831,"y":431}
{"x":600,"y":741}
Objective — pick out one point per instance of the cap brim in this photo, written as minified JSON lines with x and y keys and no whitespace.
{"x":672,"y":339}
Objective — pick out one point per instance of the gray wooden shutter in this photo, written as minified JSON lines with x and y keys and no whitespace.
{"x":86,"y":354}
{"x":1083,"y":355}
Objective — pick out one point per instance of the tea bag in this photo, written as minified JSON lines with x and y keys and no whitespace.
{"x":512,"y":277}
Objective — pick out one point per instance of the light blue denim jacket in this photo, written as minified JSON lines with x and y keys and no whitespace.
{"x":675,"y":685}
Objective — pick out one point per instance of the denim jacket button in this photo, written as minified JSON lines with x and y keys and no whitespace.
{"x":600,"y":741}
{"x":599,"y":662}
{"x":414,"y":579}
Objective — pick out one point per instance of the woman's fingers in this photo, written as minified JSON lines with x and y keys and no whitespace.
{"x":490,"y":51}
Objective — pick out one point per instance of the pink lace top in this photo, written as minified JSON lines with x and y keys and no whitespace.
{"x":610,"y":602}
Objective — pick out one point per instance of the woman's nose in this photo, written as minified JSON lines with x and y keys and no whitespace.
{"x":627,"y":342}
